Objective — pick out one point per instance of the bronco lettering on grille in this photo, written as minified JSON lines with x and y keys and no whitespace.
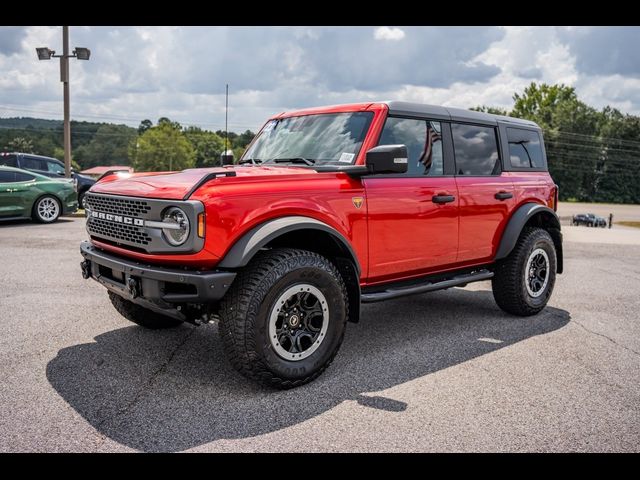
{"x":118,"y":218}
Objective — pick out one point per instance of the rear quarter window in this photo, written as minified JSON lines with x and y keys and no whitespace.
{"x":24,"y":177}
{"x":525,"y":148}
{"x":7,"y":177}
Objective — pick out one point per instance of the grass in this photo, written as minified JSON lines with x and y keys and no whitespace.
{"x":629,"y":224}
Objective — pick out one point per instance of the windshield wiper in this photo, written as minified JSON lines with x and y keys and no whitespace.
{"x":306,"y":161}
{"x":252,"y":161}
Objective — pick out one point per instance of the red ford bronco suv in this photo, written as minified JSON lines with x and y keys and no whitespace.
{"x":327,"y":208}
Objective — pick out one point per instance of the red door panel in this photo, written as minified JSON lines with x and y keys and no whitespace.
{"x":483,"y":217}
{"x":409,"y":234}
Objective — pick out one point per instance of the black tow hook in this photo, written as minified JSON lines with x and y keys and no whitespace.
{"x":85,"y":266}
{"x":133,"y":286}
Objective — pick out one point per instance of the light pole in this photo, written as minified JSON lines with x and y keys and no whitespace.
{"x":44,"y":53}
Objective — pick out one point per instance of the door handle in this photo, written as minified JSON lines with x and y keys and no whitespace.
{"x":442,"y":198}
{"x":503,"y":195}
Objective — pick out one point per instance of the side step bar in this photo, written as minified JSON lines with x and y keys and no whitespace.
{"x":426,"y":287}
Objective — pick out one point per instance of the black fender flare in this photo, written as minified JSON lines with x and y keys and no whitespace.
{"x":520,"y":218}
{"x":252,"y":241}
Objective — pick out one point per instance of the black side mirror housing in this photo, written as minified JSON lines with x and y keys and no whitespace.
{"x":387,"y":159}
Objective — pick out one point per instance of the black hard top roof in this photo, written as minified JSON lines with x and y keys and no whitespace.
{"x":449,"y":113}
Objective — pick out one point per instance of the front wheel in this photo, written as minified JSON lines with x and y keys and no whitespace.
{"x":523,"y":281}
{"x":283,"y":320}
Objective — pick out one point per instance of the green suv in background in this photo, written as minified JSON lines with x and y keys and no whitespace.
{"x":26,"y":194}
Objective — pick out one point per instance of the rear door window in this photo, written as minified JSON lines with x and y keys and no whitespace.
{"x":525,"y":148}
{"x":32,"y":163}
{"x":476,"y":150}
{"x":9,"y":160}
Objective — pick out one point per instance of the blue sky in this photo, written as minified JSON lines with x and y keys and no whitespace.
{"x":180,"y":72}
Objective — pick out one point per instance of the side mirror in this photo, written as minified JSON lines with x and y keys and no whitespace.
{"x":60,"y":173}
{"x":387,"y":159}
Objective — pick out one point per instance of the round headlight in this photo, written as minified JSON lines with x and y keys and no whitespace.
{"x":177,"y":230}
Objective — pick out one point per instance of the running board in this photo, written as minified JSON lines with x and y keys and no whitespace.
{"x":426,"y":287}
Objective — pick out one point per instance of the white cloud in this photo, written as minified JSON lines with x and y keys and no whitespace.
{"x":149,"y":72}
{"x":388,"y":33}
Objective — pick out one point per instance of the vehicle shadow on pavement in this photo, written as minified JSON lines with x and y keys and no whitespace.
{"x":172,"y":390}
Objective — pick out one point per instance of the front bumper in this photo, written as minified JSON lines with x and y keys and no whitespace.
{"x":150,"y":285}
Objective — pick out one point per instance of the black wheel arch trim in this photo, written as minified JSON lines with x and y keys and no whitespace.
{"x":259,"y":236}
{"x":517,"y":222}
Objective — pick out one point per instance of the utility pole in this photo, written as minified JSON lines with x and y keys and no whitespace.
{"x":81,"y":53}
{"x":64,"y":78}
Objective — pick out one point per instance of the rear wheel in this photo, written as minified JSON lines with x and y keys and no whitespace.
{"x":283,"y":320}
{"x":46,"y":209}
{"x":142,"y":316}
{"x":523,"y":282}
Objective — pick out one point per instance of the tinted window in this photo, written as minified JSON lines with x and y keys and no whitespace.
{"x":423,"y":140}
{"x":24,"y":177}
{"x":476,"y":150}
{"x":9,"y":160}
{"x":31,"y":163}
{"x":7,"y":177}
{"x":525,"y":148}
{"x":55,"y":167}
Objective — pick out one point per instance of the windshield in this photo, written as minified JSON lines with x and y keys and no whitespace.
{"x":311,"y":139}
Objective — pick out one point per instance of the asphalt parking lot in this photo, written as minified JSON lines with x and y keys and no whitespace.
{"x":446,"y":371}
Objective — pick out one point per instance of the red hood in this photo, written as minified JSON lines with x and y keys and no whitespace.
{"x":175,"y":185}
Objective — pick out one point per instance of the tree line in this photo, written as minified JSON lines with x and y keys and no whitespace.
{"x":593,"y":155}
{"x":161,"y":146}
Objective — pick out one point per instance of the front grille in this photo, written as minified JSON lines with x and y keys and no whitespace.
{"x":132,"y":235}
{"x":120,"y":220}
{"x":118,"y":206}
{"x":118,"y":231}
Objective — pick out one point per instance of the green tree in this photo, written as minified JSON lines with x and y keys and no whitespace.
{"x":58,"y":152}
{"x":540,"y":102}
{"x":145,"y":125}
{"x":207,"y":145}
{"x":109,"y":146}
{"x":20,"y":144}
{"x":162,"y":148}
{"x":492,"y":110}
{"x":165,"y":120}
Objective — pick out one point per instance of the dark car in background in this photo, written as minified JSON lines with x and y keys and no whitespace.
{"x":25,"y":194}
{"x":49,"y":167}
{"x":589,"y":220}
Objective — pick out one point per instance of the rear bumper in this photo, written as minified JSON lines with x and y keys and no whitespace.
{"x":144,"y":284}
{"x":70,"y":207}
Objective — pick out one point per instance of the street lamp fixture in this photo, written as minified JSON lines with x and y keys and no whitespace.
{"x":80,"y":53}
{"x":44,"y":53}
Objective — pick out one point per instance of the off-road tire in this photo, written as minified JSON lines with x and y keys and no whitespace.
{"x":509,"y":282}
{"x":246,"y":308}
{"x":142,"y":316}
